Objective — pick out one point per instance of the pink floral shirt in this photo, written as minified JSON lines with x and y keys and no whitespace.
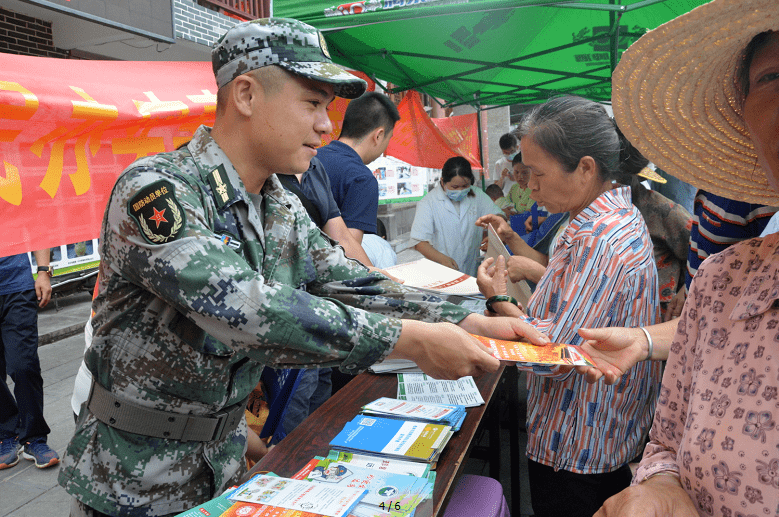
{"x":716,"y":419}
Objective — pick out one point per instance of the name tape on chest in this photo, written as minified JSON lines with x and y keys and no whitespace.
{"x":157,"y":212}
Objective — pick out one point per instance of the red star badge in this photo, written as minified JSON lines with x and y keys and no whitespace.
{"x":158,"y":217}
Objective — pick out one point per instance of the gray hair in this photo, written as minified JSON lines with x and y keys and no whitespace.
{"x":570,"y":128}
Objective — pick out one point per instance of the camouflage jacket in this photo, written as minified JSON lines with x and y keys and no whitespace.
{"x":195,"y":295}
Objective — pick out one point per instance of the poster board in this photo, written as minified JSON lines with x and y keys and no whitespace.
{"x":399,"y":182}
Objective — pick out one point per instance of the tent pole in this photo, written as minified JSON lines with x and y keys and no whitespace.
{"x":614,"y":19}
{"x":481,"y":141}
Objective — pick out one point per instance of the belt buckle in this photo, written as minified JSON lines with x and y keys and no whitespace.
{"x":225,"y":419}
{"x":221,"y":423}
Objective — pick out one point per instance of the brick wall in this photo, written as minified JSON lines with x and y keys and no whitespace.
{"x":20,"y":34}
{"x":198,"y":24}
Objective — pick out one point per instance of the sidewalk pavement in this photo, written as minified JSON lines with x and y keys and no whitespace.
{"x":26,"y":491}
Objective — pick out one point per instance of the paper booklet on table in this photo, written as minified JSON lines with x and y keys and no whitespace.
{"x":395,"y":366}
{"x":308,"y":498}
{"x":529,"y":354}
{"x":420,"y":387}
{"x":448,"y":414}
{"x":495,"y":247}
{"x":409,"y":468}
{"x":397,"y":493}
{"x":432,"y":276}
{"x":385,"y":437}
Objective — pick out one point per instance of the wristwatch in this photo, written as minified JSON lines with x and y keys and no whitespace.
{"x":46,"y":269}
{"x":499,"y":298}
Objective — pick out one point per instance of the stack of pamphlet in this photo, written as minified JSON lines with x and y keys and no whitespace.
{"x":420,"y":387}
{"x":451,"y":415}
{"x":395,"y":494}
{"x":409,"y":468}
{"x":268,"y":495}
{"x":395,"y":366}
{"x":434,"y":277}
{"x":389,"y":438}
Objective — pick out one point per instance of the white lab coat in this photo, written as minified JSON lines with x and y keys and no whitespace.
{"x":451,"y":231}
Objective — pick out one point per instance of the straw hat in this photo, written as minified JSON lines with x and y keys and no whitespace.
{"x":676,"y":99}
{"x":650,"y":174}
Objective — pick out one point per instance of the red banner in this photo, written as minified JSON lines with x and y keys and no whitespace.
{"x":418,"y":141}
{"x":462,"y":132}
{"x":69,"y":127}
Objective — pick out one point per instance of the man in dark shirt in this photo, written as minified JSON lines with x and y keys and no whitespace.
{"x":367,"y":129}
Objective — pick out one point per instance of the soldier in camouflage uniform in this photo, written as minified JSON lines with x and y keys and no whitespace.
{"x":210,"y":270}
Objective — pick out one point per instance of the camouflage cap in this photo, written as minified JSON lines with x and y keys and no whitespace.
{"x":293,"y":45}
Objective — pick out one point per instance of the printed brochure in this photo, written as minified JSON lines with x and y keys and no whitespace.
{"x":528,"y":354}
{"x":291,"y":494}
{"x":415,"y":441}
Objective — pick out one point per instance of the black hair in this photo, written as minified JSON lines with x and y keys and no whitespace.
{"x":381,"y":230}
{"x":631,"y":162}
{"x":517,"y":159}
{"x":369,"y":111}
{"x":742,"y":72}
{"x":458,"y":166}
{"x":493,"y":191}
{"x":570,"y":128}
{"x":507,"y":141}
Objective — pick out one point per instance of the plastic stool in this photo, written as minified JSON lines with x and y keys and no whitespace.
{"x":477,"y":496}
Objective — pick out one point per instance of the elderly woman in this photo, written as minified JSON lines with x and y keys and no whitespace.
{"x":713,"y":444}
{"x":581,"y":436}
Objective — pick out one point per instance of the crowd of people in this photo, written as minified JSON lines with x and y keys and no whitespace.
{"x":245,"y":273}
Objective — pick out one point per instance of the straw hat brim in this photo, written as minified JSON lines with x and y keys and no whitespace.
{"x":651,"y":175}
{"x":676,"y":99}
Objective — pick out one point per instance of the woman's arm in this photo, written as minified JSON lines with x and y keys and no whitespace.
{"x":615,"y":349}
{"x":491,"y":278}
{"x":514,"y":242}
{"x":429,"y":252}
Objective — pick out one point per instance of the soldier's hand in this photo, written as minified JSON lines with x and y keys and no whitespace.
{"x":443,"y":350}
{"x":502,"y":327}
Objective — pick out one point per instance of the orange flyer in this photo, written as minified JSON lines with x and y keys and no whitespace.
{"x":521,"y":352}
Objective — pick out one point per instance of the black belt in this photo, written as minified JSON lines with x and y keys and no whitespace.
{"x":133,"y":418}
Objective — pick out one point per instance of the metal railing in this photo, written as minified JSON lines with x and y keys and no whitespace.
{"x":249,"y":9}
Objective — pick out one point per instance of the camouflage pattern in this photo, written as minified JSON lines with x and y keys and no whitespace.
{"x":293,"y":45}
{"x":189,"y":311}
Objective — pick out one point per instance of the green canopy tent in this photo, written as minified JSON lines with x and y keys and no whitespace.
{"x":486,"y":52}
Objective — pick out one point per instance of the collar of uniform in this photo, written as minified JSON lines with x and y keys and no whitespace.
{"x":613,"y":200}
{"x":209,"y":157}
{"x":274,"y":189}
{"x":761,"y":290}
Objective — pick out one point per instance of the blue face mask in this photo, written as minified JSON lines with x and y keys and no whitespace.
{"x":511,"y":156}
{"x":457,"y":195}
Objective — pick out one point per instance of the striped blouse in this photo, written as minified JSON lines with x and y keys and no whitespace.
{"x":601,"y":274}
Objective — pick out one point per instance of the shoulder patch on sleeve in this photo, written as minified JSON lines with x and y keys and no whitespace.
{"x":157,"y":212}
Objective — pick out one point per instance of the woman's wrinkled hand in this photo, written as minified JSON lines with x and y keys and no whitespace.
{"x":499,"y":224}
{"x":613,"y":350}
{"x":658,"y":496}
{"x":491,"y":277}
